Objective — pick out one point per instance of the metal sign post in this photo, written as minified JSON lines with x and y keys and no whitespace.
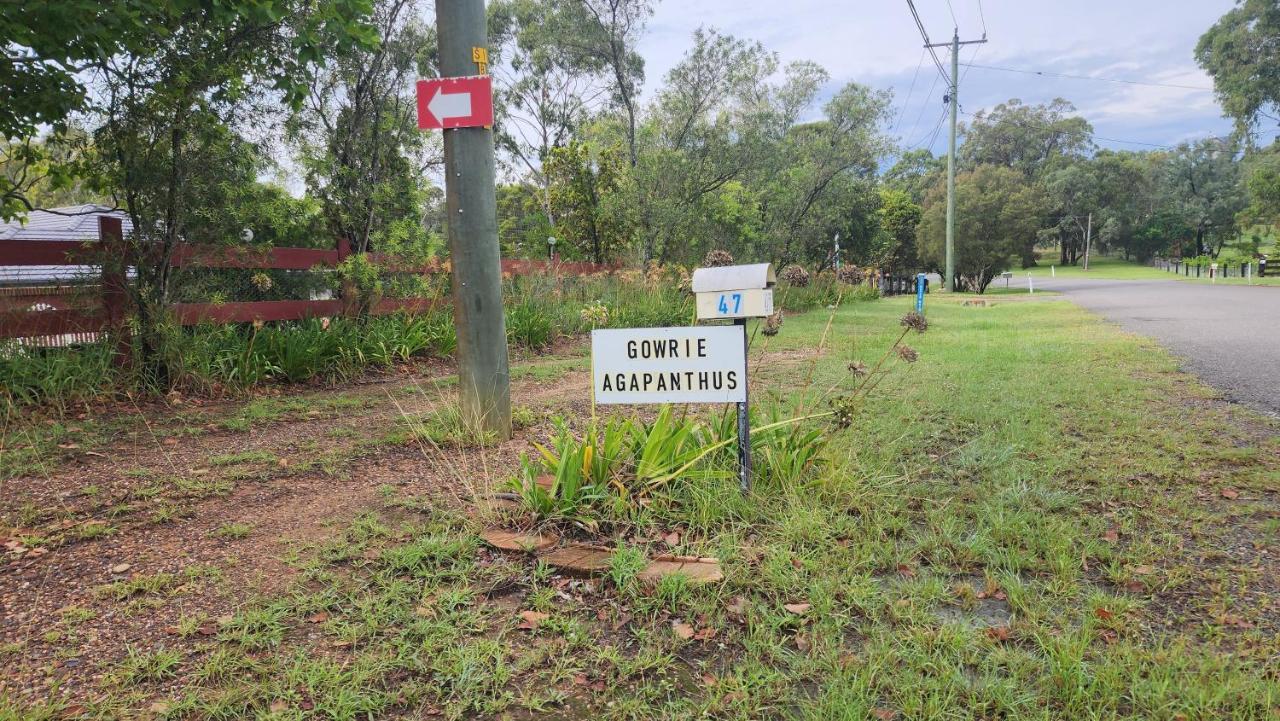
{"x":744,"y":421}
{"x":922,"y":282}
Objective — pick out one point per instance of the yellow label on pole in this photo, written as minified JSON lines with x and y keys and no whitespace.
{"x":480,"y":55}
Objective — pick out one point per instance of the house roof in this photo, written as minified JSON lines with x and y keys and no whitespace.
{"x":72,"y":222}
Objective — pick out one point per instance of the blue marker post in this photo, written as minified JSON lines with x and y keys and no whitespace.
{"x":922,"y":280}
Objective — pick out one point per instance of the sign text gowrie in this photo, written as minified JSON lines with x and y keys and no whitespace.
{"x":670,"y":365}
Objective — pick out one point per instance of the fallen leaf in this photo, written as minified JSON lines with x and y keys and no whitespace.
{"x":672,"y":539}
{"x":1103,"y":614}
{"x":159,"y":707}
{"x":581,"y":679}
{"x":207,"y":629}
{"x":906,"y":571}
{"x":1134,"y":587}
{"x":998,"y":633}
{"x":95,"y":453}
{"x":283,"y":463}
{"x":1143,"y":570}
{"x":68,"y":446}
{"x":1230,"y":494}
{"x":798,"y":609}
{"x":598,"y":685}
{"x":532,"y":619}
{"x":278,"y":706}
{"x":705,"y":634}
{"x":681,"y":629}
{"x":1230,"y":619}
{"x":170,"y":441}
{"x":1111,"y":536}
{"x":709,"y":680}
{"x":737,"y":606}
{"x":884,"y":714}
{"x":121,"y":567}
{"x":320,"y":617}
{"x":802,"y":643}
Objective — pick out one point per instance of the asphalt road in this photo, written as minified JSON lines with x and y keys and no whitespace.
{"x":1229,"y":335}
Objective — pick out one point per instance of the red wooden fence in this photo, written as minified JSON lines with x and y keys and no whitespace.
{"x":70,"y":315}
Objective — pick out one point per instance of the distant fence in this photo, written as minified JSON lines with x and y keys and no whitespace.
{"x":891,"y":284}
{"x":1187,"y":269}
{"x":63,"y":314}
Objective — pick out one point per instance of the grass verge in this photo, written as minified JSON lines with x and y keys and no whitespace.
{"x":1040,"y":518}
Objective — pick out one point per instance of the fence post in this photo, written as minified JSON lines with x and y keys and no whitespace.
{"x":114,"y":289}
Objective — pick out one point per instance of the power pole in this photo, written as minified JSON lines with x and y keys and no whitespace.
{"x":1088,"y":239}
{"x":953,"y":83}
{"x":484,"y":382}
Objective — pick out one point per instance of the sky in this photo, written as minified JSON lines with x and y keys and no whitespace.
{"x":876,"y":43}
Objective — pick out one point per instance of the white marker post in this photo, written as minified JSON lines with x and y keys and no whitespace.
{"x":1031,"y":284}
{"x":737,"y":292}
{"x":1053,"y":271}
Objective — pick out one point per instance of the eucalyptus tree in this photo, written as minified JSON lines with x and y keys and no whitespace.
{"x":995,"y":210}
{"x":600,"y":37}
{"x":546,"y":97}
{"x":1242,"y":56}
{"x":357,"y":138}
{"x":1206,"y":187}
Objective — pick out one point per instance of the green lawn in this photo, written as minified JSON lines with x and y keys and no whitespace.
{"x":1111,"y":268}
{"x":1041,"y":518}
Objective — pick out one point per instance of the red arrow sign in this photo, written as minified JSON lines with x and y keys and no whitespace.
{"x":465,"y":102}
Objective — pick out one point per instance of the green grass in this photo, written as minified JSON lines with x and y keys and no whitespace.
{"x":1023,"y":524}
{"x":1112,"y":268}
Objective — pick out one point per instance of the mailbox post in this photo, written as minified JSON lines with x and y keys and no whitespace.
{"x":737,"y":292}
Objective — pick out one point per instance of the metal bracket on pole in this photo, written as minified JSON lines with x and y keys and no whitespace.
{"x":744,"y":422}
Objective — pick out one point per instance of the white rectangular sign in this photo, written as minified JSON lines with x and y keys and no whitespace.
{"x":748,"y":303}
{"x":670,"y":365}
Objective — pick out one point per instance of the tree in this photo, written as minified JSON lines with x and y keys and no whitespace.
{"x":996,"y":210}
{"x":899,"y":216}
{"x":547,"y":100}
{"x":1262,"y":180}
{"x":1242,"y":56}
{"x":915,"y":172}
{"x":847,"y":142}
{"x":600,"y":37}
{"x":53,"y":48}
{"x":581,"y":182}
{"x":1034,"y":140}
{"x":1204,"y":183}
{"x":164,"y":143}
{"x":358,"y":139}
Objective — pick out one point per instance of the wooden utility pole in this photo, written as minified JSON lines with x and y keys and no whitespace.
{"x":484,"y":382}
{"x":953,"y":82}
{"x":1088,"y":240}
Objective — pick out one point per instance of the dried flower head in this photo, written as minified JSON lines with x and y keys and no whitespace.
{"x":772,"y":324}
{"x":717,"y":257}
{"x":843,"y":410}
{"x":907,"y":353}
{"x":850,"y":274}
{"x":795,"y":275}
{"x":261,"y":281}
{"x":915,"y":321}
{"x":858,"y":369}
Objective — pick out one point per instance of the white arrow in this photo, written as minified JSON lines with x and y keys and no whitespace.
{"x":450,"y":105}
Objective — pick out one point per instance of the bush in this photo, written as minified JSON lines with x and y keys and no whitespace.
{"x":795,"y":276}
{"x":57,"y":377}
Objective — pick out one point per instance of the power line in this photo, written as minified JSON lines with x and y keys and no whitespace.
{"x":907,"y":102}
{"x":1047,"y":73}
{"x":924,"y":107}
{"x":927,"y":44}
{"x":955,"y":23}
{"x":983,"y":17}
